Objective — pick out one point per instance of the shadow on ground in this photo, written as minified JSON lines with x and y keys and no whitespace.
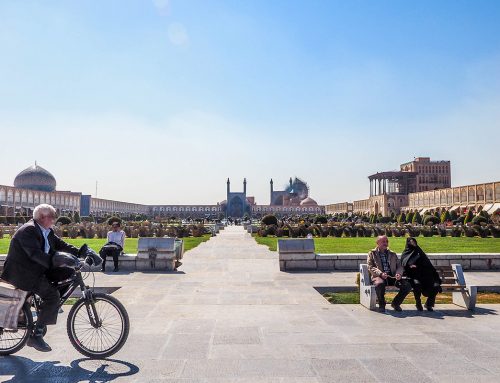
{"x":16,"y":369}
{"x":441,"y":313}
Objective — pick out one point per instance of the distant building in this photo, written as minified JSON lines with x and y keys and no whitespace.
{"x":35,"y":185}
{"x":420,"y":185}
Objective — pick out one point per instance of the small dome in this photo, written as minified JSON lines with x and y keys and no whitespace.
{"x":308,"y":202}
{"x":35,"y":178}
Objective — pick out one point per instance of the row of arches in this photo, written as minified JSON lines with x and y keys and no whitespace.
{"x":14,"y":196}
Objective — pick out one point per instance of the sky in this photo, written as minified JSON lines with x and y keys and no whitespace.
{"x":160,"y":101}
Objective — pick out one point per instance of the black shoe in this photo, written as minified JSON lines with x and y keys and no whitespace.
{"x":115,"y":270}
{"x":419,"y":306}
{"x":429,"y":308}
{"x":37,"y":342}
{"x":178,"y":264}
{"x":396,"y":307}
{"x":381,"y":309}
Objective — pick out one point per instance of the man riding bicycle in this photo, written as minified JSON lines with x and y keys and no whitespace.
{"x":29,"y":259}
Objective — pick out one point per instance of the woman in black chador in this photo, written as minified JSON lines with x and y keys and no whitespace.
{"x":421,"y":274}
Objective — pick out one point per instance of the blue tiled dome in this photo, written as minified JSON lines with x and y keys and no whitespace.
{"x":35,"y":178}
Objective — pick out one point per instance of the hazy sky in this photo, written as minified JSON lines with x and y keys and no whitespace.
{"x":160,"y":101}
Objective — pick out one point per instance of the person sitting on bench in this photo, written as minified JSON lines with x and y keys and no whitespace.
{"x":114,"y":246}
{"x":386,"y":270}
{"x":421,"y":274}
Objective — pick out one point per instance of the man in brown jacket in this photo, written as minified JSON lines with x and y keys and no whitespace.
{"x":386,"y":270}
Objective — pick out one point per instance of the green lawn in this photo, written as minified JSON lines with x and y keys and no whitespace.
{"x":353,"y":298}
{"x":96,"y":244}
{"x":428,"y":244}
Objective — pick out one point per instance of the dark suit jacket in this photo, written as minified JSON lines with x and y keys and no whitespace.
{"x":26,"y":262}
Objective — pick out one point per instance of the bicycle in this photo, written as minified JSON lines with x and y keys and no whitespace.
{"x":97,"y":324}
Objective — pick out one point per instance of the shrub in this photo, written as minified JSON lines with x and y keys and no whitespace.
{"x":320,"y":219}
{"x":388,"y":231}
{"x":453,"y":215}
{"x":114,"y":219}
{"x":402,"y":218}
{"x":63,"y":220}
{"x":427,"y":231}
{"x":409,"y":217}
{"x":469,"y":232}
{"x":368,"y":231}
{"x":270,"y":219}
{"x":349,"y":232}
{"x":441,"y":231}
{"x":483,"y":232}
{"x":417,"y":218}
{"x":445,"y":216}
{"x":381,"y":219}
{"x":495,"y":231}
{"x":413,"y":231}
{"x":478,"y":219}
{"x":431,"y":220}
{"x":468,"y":217}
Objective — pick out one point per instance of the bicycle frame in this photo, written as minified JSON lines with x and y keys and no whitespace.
{"x":87,"y":293}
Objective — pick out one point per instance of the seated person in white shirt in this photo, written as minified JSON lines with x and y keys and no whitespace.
{"x":114,"y":246}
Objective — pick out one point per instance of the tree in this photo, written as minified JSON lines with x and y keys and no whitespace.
{"x":270,"y":219}
{"x":468,"y":217}
{"x":409,"y":217}
{"x":453,"y":215}
{"x":445,"y":216}
{"x":417,"y":218}
{"x":63,"y":220}
{"x":402,"y":217}
{"x":76,"y":217}
{"x":111,"y":220}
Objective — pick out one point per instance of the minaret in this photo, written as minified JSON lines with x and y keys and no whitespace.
{"x":228,"y":189}
{"x":245,"y":186}
{"x":271,"y":199}
{"x":291,"y":182}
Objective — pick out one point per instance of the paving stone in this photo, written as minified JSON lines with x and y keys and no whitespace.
{"x":230,"y":315}
{"x":395,"y":370}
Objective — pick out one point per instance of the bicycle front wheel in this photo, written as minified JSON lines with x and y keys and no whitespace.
{"x":107,"y":334}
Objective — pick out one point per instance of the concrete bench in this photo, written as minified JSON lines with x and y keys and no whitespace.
{"x":158,"y":253}
{"x":297,"y":254}
{"x":252,"y":229}
{"x":453,"y":280}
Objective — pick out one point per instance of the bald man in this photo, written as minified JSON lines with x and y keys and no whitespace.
{"x":386,"y":270}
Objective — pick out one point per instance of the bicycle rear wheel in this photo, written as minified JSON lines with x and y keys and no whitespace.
{"x":11,"y":341}
{"x":110,"y":332}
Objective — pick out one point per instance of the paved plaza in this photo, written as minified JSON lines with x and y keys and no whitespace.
{"x":230,"y":315}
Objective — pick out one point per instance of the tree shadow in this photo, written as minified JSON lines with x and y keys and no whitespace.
{"x":25,"y":370}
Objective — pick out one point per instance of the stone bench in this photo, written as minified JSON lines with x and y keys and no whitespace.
{"x":252,"y":229}
{"x":152,"y":254}
{"x":453,"y":280}
{"x":158,"y":253}
{"x":297,"y":254}
{"x":352,"y":261}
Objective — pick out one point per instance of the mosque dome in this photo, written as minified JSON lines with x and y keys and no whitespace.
{"x":308,"y":202}
{"x":35,"y":178}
